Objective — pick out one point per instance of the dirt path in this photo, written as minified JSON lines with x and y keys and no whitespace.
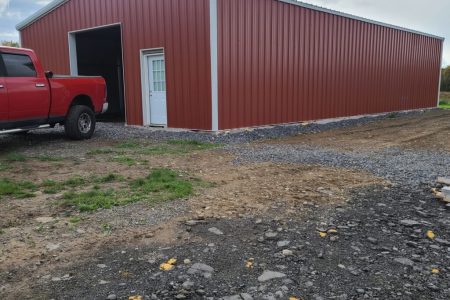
{"x":429,"y":131}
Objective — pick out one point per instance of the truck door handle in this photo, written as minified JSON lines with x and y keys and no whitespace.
{"x":40,"y":85}
{"x":1,"y":86}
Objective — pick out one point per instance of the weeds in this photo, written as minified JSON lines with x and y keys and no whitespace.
{"x":126,"y":160}
{"x":159,"y":186}
{"x":21,"y":190}
{"x":15,"y":157}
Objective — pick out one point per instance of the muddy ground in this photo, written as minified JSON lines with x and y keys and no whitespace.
{"x":328,"y":232}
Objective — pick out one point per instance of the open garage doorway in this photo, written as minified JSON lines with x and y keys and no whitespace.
{"x":98,"y":52}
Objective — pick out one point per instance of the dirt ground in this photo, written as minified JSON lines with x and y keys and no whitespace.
{"x":39,"y":237}
{"x":430,"y":131}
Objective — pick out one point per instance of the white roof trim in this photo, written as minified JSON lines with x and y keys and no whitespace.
{"x":57,"y":3}
{"x":338,"y":13}
{"x":40,"y":13}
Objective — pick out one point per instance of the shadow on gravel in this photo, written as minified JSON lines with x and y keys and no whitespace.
{"x":377,"y":248}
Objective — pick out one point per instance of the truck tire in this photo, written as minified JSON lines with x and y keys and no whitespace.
{"x":80,"y":123}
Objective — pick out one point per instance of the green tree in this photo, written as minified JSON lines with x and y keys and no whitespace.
{"x":445,"y":81}
{"x":10,"y":44}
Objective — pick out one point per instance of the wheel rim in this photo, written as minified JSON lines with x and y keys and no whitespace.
{"x":84,"y":123}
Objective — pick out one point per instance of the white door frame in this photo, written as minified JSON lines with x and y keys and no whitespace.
{"x":145,"y":53}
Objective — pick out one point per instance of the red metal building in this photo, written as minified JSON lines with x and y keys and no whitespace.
{"x":223,"y":64}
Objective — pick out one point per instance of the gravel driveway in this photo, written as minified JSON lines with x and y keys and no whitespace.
{"x":384,"y":241}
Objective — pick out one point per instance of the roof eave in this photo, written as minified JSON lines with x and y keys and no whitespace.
{"x":40,"y":13}
{"x":345,"y":15}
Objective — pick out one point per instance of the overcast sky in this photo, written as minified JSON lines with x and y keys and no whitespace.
{"x":431,"y":16}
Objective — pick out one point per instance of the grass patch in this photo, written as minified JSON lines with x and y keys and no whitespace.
{"x":15,"y":157}
{"x":125,"y":160}
{"x":163,"y":185}
{"x":101,"y":152}
{"x":444,"y":104}
{"x":75,"y":220}
{"x":128,"y":145}
{"x":111,"y":177}
{"x":4,"y":166}
{"x":21,"y":189}
{"x":91,"y":200}
{"x":52,"y":187}
{"x":159,"y":186}
{"x":75,"y":181}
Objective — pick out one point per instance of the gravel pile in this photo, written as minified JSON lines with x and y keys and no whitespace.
{"x":398,"y":165}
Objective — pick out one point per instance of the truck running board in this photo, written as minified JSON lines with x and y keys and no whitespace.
{"x":23,"y":129}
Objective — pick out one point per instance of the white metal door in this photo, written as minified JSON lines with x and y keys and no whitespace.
{"x":157,"y":89}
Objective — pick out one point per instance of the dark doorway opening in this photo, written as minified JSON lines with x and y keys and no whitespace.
{"x":99,"y":53}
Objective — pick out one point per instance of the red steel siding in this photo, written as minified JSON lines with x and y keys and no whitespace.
{"x":181,"y":27}
{"x":281,"y":63}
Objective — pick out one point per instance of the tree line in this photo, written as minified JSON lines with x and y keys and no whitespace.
{"x":445,"y":81}
{"x":10,"y":44}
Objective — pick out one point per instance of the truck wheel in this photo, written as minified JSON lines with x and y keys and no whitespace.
{"x":80,"y":123}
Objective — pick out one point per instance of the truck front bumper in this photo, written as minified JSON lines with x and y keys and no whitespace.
{"x":105,"y":107}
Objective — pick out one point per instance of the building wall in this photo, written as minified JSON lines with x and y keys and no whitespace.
{"x":281,"y":63}
{"x":181,"y":27}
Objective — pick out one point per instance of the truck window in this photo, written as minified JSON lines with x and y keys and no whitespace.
{"x":2,"y":68}
{"x":18,"y":65}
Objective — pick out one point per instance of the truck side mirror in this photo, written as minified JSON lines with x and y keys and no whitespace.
{"x":49,"y":74}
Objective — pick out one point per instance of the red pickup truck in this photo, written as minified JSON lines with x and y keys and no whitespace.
{"x":31,"y":98}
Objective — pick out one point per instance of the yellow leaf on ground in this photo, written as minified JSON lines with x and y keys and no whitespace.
{"x":431,"y":235}
{"x":435,"y":271}
{"x":166,"y":267}
{"x":332,"y":231}
{"x":249,"y":263}
{"x":169,"y":265}
{"x":322,"y":234}
{"x":293,"y":298}
{"x":135,"y":298}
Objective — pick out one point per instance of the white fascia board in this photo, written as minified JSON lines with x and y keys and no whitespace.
{"x":349,"y":16}
{"x":40,"y":13}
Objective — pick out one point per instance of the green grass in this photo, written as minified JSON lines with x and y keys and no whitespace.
{"x":16,"y":189}
{"x":125,"y":160}
{"x":75,"y":220}
{"x":4,"y":166}
{"x":165,"y":184}
{"x":111,"y":177}
{"x":101,"y":151}
{"x":75,"y":181}
{"x":15,"y":157}
{"x":52,"y":187}
{"x":159,"y":186}
{"x":91,"y":200}
{"x":444,"y":104}
{"x":128,"y":145}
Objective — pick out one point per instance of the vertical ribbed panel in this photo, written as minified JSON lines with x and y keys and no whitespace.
{"x":281,"y":63}
{"x":181,"y":27}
